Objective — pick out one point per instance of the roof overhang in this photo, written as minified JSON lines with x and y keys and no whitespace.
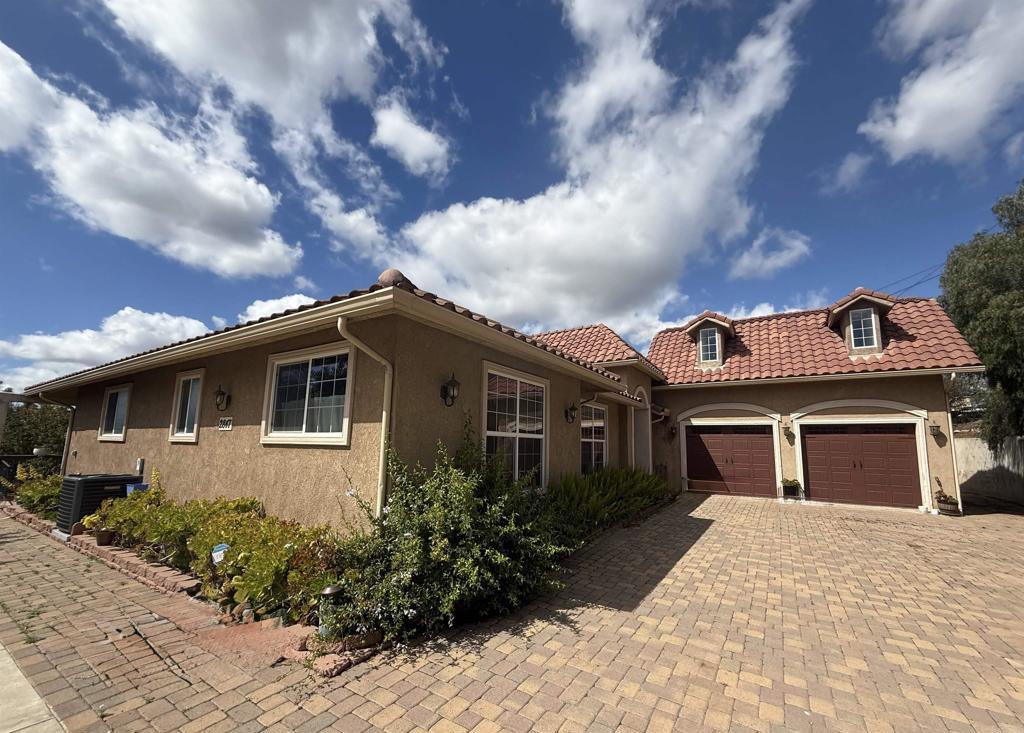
{"x":642,"y":364}
{"x":823,"y":377}
{"x":883,"y":305}
{"x":724,"y":325}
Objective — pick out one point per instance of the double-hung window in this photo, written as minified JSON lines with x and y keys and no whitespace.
{"x":114,"y":416}
{"x":709,"y":344}
{"x":185,"y":418}
{"x":308,"y":397}
{"x":593,"y":422}
{"x":862,"y":328}
{"x":515,"y":424}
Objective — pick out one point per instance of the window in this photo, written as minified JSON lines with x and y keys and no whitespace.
{"x":185,"y":418}
{"x":593,"y":421}
{"x":307,"y":398}
{"x":515,"y":424}
{"x":114,"y":417}
{"x":862,"y":328}
{"x":709,"y":344}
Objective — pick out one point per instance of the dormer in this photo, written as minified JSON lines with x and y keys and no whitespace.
{"x":858,"y":317}
{"x":710,"y":330}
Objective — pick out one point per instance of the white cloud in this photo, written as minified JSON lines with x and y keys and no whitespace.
{"x":423,"y":152}
{"x":809,"y":300}
{"x":263,"y":308}
{"x":848,"y":175}
{"x":180,"y":189}
{"x":1014,"y":150}
{"x":650,"y":181}
{"x":762,"y":259}
{"x":969,"y":76}
{"x":127,"y":332}
{"x":304,"y":283}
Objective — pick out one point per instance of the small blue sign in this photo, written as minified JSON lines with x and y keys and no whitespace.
{"x":137,"y":487}
{"x":218,"y":553}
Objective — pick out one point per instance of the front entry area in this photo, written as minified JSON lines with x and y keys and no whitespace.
{"x":862,"y":464}
{"x":731,"y":459}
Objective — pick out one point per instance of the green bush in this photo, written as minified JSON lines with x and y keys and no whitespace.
{"x":578,"y":506}
{"x":37,"y":492}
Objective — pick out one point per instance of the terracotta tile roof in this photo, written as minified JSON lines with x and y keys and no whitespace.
{"x":596,"y":344}
{"x":389,"y":278}
{"x":840,"y":305}
{"x":709,"y":315}
{"x":916,"y":334}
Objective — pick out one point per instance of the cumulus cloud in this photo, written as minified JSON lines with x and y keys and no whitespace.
{"x":263,"y":308}
{"x":181,"y":189}
{"x":304,"y":283}
{"x":126,"y":332}
{"x":848,"y":175}
{"x":423,"y":152}
{"x":968,"y":77}
{"x":806,"y":301}
{"x":773,"y":250}
{"x":651,"y":180}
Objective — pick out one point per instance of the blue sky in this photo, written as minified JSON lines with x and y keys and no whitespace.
{"x":167,"y":170}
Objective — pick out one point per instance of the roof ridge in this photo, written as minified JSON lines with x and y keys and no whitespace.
{"x":599,"y":324}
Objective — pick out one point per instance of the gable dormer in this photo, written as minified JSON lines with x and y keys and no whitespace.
{"x":858,"y":317}
{"x":710,"y":330}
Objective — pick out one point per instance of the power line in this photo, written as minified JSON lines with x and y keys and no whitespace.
{"x":915,"y":284}
{"x":929,"y":270}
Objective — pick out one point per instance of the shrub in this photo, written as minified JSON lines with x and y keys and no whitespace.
{"x":38,"y":492}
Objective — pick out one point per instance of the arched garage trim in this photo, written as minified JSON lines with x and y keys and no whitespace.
{"x":901,"y":413}
{"x":762,"y":416}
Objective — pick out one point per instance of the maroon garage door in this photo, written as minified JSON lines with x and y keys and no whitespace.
{"x":731,"y":459}
{"x":862,"y":464}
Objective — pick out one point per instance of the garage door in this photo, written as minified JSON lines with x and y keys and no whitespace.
{"x":862,"y":464}
{"x":731,"y":459}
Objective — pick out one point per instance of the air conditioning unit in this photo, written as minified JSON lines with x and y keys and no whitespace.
{"x":81,"y":495}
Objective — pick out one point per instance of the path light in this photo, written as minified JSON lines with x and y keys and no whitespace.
{"x":450,"y":391}
{"x":570,"y":413}
{"x":221,"y":399}
{"x":328,"y":604}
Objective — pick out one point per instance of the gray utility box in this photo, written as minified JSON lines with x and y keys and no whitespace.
{"x":82,"y":495}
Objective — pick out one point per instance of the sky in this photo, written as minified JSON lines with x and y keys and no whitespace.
{"x":170,"y":168}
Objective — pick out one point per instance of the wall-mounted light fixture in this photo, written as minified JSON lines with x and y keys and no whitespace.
{"x":934,"y":429}
{"x":672,"y":432}
{"x":221,"y":399}
{"x":570,"y":413}
{"x":450,"y":391}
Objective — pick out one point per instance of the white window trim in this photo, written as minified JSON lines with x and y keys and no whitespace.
{"x":115,"y":437}
{"x":503,"y":371}
{"x":179,"y":380}
{"x":292,"y":438}
{"x":604,"y":454}
{"x":875,"y":330}
{"x":718,"y":345}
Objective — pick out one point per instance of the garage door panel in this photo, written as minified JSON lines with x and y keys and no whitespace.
{"x":742,"y":461}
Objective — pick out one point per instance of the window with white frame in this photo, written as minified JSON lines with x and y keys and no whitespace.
{"x":515,"y":424}
{"x":308,"y":397}
{"x":709,"y":344}
{"x":862,"y":328}
{"x":185,"y":420}
{"x":593,"y":426}
{"x":114,"y":417}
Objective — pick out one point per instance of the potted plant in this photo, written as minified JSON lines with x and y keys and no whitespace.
{"x":104,"y":535}
{"x":947,"y":504}
{"x":791,"y":489}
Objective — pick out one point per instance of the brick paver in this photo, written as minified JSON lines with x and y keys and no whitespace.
{"x":721,"y":614}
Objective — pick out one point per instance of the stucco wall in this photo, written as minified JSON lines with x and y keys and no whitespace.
{"x":922,"y":392}
{"x":987,"y":477}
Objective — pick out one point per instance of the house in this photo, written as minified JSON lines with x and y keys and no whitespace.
{"x":849,"y":400}
{"x":297,"y":408}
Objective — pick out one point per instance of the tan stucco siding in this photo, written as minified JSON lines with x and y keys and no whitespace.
{"x":921,"y":392}
{"x":307,"y":483}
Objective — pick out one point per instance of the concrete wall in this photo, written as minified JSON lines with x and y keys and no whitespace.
{"x":922,"y":392}
{"x":987,"y":477}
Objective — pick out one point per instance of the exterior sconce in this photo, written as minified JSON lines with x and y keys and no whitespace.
{"x":570,"y":413}
{"x":221,"y":399}
{"x":450,"y":391}
{"x":672,"y":432}
{"x":935,"y":430}
{"x":788,"y":432}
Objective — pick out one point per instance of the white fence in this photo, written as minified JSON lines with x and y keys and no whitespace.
{"x":987,"y":478}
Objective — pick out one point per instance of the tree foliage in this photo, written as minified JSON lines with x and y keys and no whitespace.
{"x":983,"y":292}
{"x":31,"y":426}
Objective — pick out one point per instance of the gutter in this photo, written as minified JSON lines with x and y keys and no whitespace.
{"x":72,"y":410}
{"x":819,"y":378}
{"x":385,"y":416}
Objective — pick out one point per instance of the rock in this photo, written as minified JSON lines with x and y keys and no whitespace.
{"x":295,"y":655}
{"x":241,"y":608}
{"x":300,"y":644}
{"x":331,"y":665}
{"x":274,"y":622}
{"x":77,"y":528}
{"x":354,"y":642}
{"x":248,"y":616}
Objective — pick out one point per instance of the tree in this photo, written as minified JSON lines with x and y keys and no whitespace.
{"x":36,"y":426}
{"x":983,"y":293}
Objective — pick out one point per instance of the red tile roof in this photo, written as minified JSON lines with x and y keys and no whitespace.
{"x":389,"y":278}
{"x":596,"y":344}
{"x":883,"y":300}
{"x":709,"y":315}
{"x":916,"y":334}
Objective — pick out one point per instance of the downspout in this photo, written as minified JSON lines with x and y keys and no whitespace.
{"x":67,"y":434}
{"x":385,"y":417}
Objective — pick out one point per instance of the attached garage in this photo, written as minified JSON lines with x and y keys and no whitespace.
{"x":731,"y":459}
{"x":862,"y":464}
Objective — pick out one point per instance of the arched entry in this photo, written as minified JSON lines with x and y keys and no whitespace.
{"x":642,"y":443}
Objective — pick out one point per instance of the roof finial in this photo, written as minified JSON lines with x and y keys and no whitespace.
{"x":393,"y":276}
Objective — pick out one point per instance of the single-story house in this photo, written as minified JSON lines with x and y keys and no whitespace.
{"x":297,"y":408}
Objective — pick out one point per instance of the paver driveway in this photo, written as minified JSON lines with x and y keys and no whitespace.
{"x":725,"y":613}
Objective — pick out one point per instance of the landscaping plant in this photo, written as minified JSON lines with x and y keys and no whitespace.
{"x":36,"y":491}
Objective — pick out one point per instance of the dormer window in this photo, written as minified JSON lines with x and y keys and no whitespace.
{"x":863,"y":333}
{"x":709,"y":344}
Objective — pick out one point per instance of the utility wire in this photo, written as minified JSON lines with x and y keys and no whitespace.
{"x":929,"y":270}
{"x":915,"y":284}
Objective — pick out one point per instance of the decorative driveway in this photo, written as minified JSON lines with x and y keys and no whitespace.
{"x":721,"y":614}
